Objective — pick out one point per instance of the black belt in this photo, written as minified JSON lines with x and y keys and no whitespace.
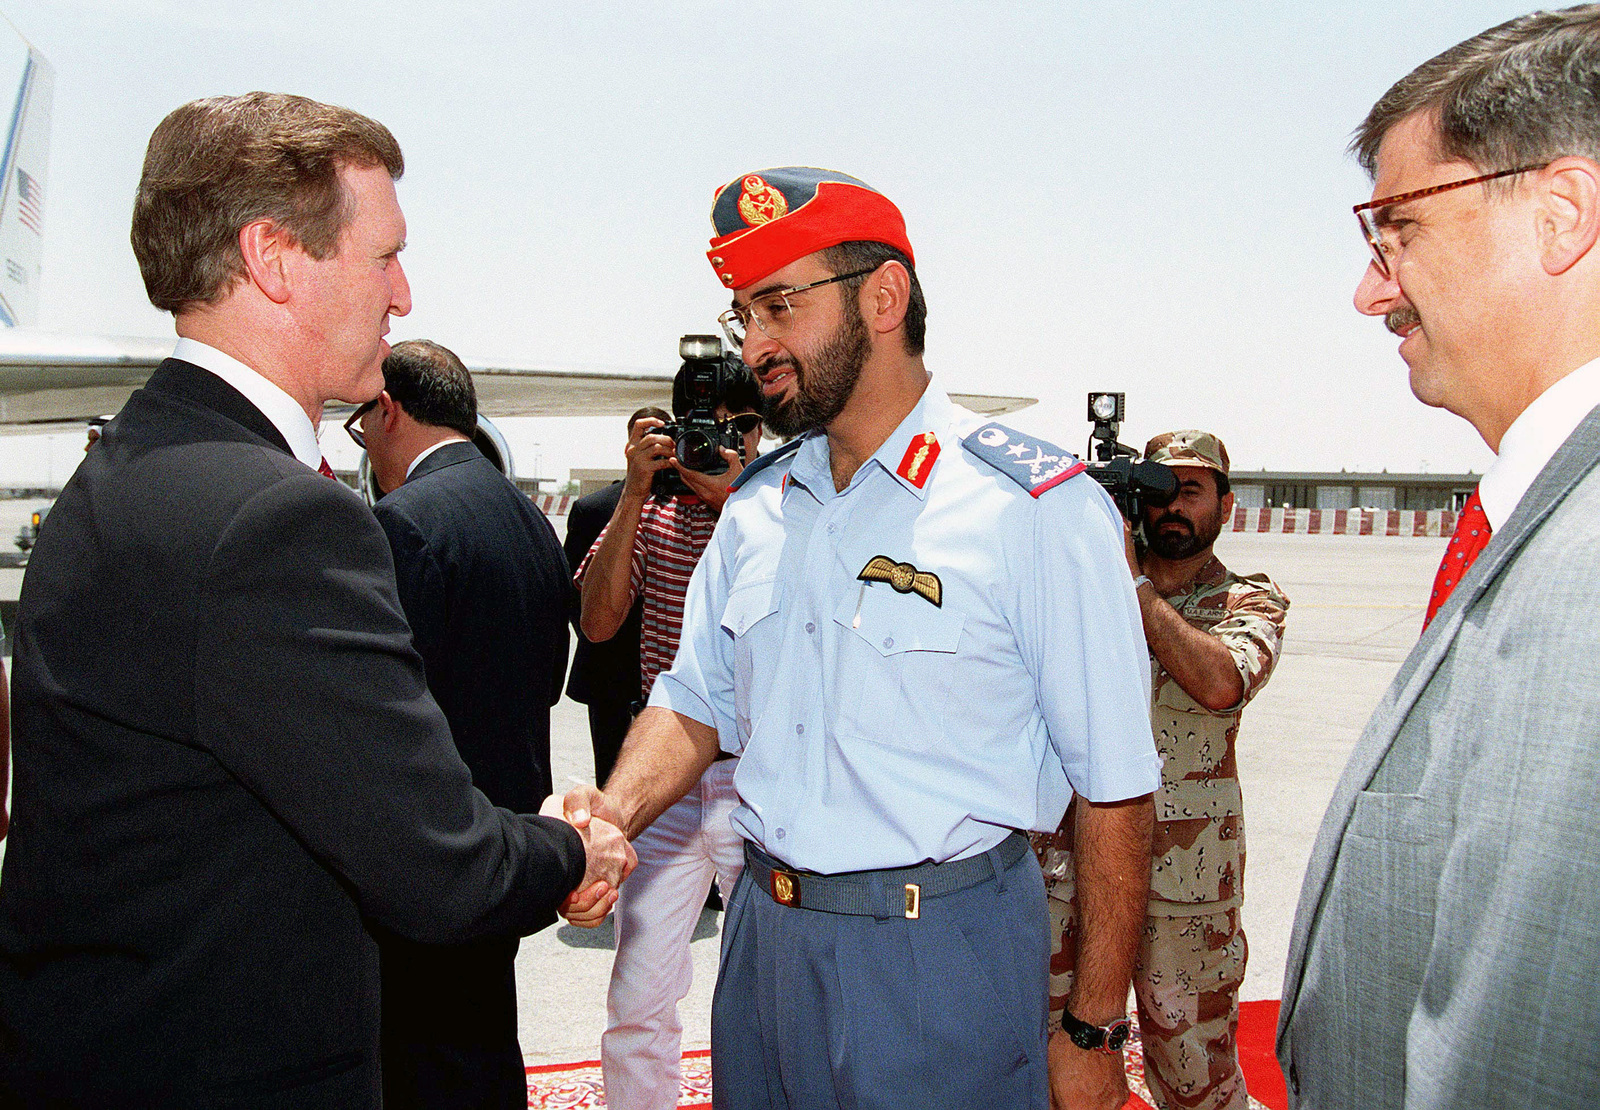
{"x":893,"y":892}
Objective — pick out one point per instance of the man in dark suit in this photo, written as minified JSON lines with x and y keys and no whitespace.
{"x":605,"y":675}
{"x":1445,"y":947}
{"x":485,"y":587}
{"x":241,"y":769}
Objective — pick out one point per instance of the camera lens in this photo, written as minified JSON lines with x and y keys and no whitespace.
{"x":695,"y":450}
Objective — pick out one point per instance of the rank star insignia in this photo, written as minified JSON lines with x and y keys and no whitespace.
{"x":903,"y":578}
{"x":1032,"y":463}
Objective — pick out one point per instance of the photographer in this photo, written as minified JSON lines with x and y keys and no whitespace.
{"x":649,"y":550}
{"x":1214,"y":637}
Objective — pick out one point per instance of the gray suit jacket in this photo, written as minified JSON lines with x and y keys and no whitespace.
{"x":1446,"y":950}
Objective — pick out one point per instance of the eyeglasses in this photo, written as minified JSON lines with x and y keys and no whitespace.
{"x":772,"y":312}
{"x":1380,"y":233}
{"x":745,"y":422}
{"x":350,"y":425}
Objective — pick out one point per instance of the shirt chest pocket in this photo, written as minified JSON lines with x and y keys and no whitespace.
{"x":748,"y":618}
{"x":895,"y":666}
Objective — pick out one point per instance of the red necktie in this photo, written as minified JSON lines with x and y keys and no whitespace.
{"x":325,"y":470}
{"x":1472,"y":533}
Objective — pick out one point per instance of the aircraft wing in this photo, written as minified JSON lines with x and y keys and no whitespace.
{"x":596,"y":391}
{"x":51,"y":381}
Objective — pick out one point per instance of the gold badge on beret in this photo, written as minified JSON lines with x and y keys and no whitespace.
{"x":903,"y":578}
{"x":760,"y":203}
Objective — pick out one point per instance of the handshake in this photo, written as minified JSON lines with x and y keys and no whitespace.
{"x":609,"y":858}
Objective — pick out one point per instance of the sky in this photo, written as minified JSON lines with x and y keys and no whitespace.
{"x":1153,"y":198}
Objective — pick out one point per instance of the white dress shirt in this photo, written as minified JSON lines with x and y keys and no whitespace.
{"x":276,"y":405}
{"x":1533,"y":439}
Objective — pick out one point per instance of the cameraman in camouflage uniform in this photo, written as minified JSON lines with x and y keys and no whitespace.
{"x":1214,"y":637}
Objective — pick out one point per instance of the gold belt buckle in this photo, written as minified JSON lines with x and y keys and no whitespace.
{"x":785,"y":887}
{"x":913,"y":901}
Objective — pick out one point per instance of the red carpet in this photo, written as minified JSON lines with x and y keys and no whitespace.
{"x":578,"y":1086}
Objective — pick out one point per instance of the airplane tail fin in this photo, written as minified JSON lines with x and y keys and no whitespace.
{"x":24,"y":160}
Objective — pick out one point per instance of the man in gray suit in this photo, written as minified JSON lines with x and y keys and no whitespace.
{"x":1446,"y":947}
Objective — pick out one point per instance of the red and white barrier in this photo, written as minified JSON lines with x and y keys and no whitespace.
{"x":1346,"y":522}
{"x":553,"y":505}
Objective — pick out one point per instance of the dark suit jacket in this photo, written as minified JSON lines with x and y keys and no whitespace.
{"x":607,"y":671}
{"x":1446,"y":947}
{"x":226,"y":759}
{"x":486,"y":589}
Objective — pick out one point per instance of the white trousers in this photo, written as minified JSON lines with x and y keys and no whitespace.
{"x":657,"y":909}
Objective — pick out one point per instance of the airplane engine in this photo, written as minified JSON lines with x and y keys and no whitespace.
{"x":487,"y":439}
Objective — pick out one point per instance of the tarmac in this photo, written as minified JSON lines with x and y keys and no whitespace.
{"x":1356,"y":605}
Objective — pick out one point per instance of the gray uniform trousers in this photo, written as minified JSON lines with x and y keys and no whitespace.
{"x":825,"y":1011}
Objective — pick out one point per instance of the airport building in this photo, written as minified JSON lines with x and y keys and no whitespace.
{"x":1293,"y":489}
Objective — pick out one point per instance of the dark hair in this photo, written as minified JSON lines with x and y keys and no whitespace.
{"x":1223,"y":485}
{"x":863,"y":255}
{"x":1521,"y":94}
{"x":215,"y":165}
{"x":433,"y":387}
{"x":649,"y":412}
{"x":743,"y":393}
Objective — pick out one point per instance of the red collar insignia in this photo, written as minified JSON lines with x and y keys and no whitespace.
{"x":920,"y":456}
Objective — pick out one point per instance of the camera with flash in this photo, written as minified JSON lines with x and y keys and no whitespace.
{"x":1131,"y":481}
{"x":703,"y":381}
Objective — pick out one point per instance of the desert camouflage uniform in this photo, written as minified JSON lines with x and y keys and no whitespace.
{"x":1192,"y":954}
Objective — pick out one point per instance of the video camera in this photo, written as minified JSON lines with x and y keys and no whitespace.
{"x":1131,"y":481}
{"x":702,"y":383}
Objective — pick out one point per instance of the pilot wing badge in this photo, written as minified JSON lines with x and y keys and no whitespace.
{"x":904,"y":578}
{"x":1032,"y":463}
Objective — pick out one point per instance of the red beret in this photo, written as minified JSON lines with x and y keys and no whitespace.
{"x":765,"y":220}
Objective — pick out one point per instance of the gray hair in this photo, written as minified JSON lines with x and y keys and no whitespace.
{"x":1521,"y":94}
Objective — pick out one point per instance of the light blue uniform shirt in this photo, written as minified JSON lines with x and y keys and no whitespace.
{"x":877,"y":729}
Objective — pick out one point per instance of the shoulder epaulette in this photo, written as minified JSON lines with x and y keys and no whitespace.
{"x":1031,"y":463}
{"x":764,"y":461}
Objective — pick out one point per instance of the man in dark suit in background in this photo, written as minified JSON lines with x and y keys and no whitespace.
{"x":605,"y":675}
{"x":240,"y":768}
{"x":485,"y":587}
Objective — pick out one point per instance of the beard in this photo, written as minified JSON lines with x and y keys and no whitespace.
{"x":1176,"y":545}
{"x":823,"y":383}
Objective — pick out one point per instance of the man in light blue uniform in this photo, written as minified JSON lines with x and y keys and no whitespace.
{"x":918,"y":631}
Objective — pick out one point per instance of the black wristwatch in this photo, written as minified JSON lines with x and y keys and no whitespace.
{"x":1108,"y":1038}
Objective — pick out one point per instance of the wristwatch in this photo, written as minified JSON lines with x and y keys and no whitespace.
{"x":1142,"y":580}
{"x":1108,"y":1038}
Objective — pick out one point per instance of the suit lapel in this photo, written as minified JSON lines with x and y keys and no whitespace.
{"x":1572,"y":461}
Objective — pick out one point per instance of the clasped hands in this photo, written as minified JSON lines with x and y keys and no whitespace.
{"x":609,"y":858}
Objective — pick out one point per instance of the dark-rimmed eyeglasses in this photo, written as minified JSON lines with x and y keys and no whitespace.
{"x":353,"y":430}
{"x":772,"y":312}
{"x":1380,"y":234}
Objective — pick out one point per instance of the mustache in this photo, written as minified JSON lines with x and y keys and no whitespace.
{"x":1174,"y":518}
{"x":776,"y":362}
{"x":1401,"y":318}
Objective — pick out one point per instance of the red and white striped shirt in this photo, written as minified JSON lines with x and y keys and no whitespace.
{"x":672,"y":536}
